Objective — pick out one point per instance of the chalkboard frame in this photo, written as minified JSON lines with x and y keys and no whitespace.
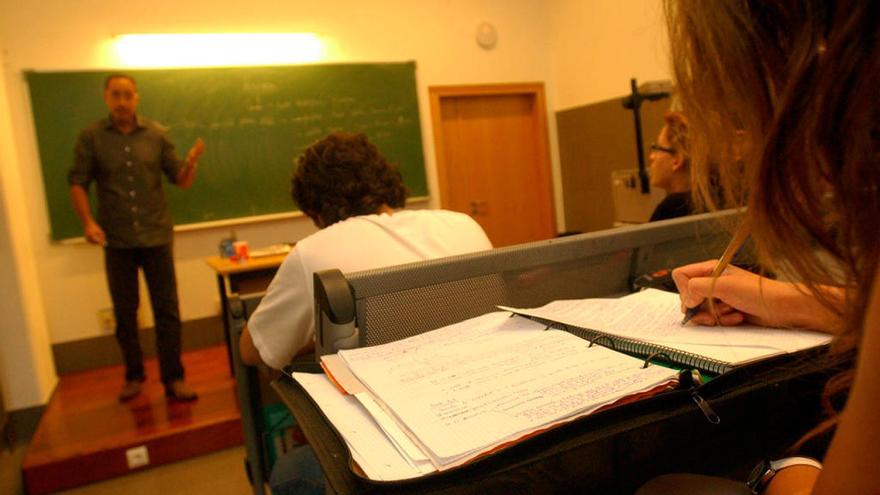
{"x":261,"y":116}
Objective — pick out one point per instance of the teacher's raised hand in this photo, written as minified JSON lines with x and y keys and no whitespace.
{"x":187,"y":174}
{"x":195,"y":152}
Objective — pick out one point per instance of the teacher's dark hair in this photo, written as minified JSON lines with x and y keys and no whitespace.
{"x":344,"y":175}
{"x":118,"y":75}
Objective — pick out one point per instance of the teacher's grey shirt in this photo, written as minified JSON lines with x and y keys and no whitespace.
{"x":128,"y":168}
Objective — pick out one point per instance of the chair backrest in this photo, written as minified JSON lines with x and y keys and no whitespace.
{"x":379,"y":306}
{"x":240,"y":307}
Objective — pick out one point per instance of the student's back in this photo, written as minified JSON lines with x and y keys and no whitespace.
{"x":374,"y":241}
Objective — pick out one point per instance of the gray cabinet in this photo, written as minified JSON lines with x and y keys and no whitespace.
{"x":596,"y":140}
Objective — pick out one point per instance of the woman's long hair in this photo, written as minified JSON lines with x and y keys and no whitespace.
{"x":785,"y":96}
{"x":800,"y":80}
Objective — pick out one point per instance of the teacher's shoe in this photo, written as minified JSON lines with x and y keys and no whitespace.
{"x":178,"y":391}
{"x":130,"y":390}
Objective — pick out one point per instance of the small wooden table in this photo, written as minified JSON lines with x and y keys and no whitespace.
{"x":241,"y":277}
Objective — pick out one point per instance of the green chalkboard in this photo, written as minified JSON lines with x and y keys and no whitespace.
{"x":254,"y":120}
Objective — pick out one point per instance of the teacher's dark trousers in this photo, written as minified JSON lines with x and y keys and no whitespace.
{"x":122,"y":277}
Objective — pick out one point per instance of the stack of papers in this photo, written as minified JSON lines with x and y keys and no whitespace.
{"x":370,"y":447}
{"x":442,"y":398}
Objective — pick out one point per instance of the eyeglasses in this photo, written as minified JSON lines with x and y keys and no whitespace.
{"x":657,"y":147}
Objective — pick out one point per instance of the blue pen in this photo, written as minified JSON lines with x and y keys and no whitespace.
{"x":733,"y":248}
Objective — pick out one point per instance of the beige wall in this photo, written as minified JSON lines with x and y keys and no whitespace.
{"x":598,"y":45}
{"x":582,"y":50}
{"x":27,"y":372}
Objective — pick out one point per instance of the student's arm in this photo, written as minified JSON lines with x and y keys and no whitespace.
{"x":282,"y":326}
{"x":855,"y":451}
{"x":251,"y":356}
{"x":309,"y":348}
{"x":744,"y":297}
{"x":187,"y":174}
{"x":248,"y":351}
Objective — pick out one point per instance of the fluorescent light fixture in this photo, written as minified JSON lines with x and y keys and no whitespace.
{"x":204,"y":50}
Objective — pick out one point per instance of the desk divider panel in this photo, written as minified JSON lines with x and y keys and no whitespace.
{"x":405,"y":300}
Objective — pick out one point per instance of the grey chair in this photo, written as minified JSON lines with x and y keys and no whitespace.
{"x":248,"y":390}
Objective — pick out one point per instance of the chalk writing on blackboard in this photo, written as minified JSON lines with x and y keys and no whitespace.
{"x":255,"y":121}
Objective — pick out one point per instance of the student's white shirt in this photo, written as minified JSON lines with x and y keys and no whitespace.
{"x":284,"y":321}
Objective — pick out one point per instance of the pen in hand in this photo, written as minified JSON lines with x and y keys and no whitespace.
{"x":733,"y":247}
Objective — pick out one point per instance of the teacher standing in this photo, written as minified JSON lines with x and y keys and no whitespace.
{"x":126,"y":155}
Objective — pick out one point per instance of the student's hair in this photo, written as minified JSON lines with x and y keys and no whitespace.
{"x":344,"y":175}
{"x":677,"y":134}
{"x":799,"y":79}
{"x":118,"y":75}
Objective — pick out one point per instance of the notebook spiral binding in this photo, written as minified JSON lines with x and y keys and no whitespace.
{"x":598,"y":338}
{"x":652,"y":356}
{"x":639,"y":348}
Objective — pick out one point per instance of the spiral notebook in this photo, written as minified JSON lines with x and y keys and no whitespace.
{"x":446,"y":397}
{"x":648,"y":324}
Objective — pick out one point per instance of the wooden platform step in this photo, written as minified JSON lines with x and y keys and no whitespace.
{"x":86,"y":435}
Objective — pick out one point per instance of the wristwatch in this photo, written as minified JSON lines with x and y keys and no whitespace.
{"x":764,"y":472}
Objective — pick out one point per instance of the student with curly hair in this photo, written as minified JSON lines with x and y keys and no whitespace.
{"x":351,"y":192}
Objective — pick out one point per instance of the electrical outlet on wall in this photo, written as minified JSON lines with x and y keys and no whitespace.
{"x":106,"y":320}
{"x":137,"y":457}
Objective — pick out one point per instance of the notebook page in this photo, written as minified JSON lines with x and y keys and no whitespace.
{"x":655,"y":316}
{"x":468,"y":387}
{"x":369,"y":446}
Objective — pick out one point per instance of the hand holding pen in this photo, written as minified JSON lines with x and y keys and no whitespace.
{"x":683,"y":280}
{"x":743,"y":297}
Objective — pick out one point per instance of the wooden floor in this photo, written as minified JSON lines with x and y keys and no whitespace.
{"x":84,"y":434}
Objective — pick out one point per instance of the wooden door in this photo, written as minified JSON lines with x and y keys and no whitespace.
{"x":493,"y":158}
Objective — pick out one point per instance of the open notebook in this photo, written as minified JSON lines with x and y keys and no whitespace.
{"x":445,"y":397}
{"x":649,"y":322}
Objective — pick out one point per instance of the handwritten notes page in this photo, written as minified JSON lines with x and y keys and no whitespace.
{"x":369,"y":447}
{"x":467,"y":388}
{"x":655,"y":316}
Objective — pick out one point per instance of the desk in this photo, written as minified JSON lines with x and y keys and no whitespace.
{"x":247,"y":277}
{"x":765,"y":407}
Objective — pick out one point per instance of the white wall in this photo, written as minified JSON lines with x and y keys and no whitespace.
{"x":62,"y":35}
{"x":583,"y":51}
{"x":598,"y":45}
{"x":27,"y":371}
